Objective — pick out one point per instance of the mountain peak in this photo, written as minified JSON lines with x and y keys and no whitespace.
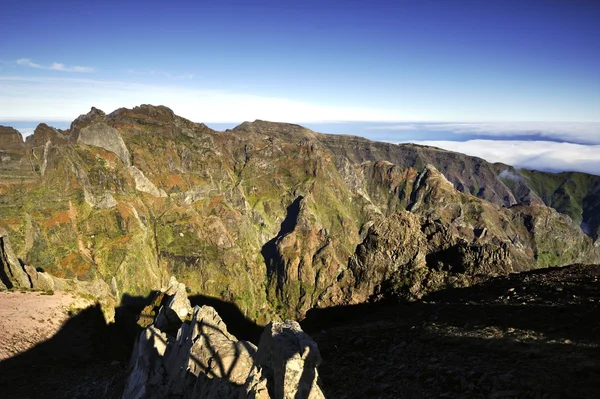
{"x":277,"y":129}
{"x":10,"y":138}
{"x":86,"y":119}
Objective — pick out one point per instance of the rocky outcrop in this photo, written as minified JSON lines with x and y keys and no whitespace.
{"x":289,"y":359}
{"x":44,"y":134}
{"x":104,"y":136}
{"x":12,"y":274}
{"x":189,"y":353}
{"x":10,"y":139}
{"x":142,"y":183}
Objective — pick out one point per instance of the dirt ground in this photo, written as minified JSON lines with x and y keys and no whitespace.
{"x":28,"y":318}
{"x":58,"y":346}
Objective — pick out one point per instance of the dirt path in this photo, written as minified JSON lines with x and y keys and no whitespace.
{"x":28,"y":318}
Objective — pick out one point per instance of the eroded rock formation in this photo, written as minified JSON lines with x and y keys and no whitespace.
{"x":188,"y":353}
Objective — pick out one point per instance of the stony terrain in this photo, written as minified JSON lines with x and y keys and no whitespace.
{"x":532,"y":335}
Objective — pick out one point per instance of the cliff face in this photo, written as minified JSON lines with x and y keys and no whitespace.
{"x":272,"y":217}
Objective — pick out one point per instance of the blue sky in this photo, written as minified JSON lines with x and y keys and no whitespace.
{"x":511,"y":70}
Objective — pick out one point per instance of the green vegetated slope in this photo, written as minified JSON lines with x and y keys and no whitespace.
{"x":272,"y":217}
{"x":572,"y":193}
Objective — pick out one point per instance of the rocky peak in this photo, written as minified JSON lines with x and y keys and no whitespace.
{"x":44,"y":133}
{"x":144,"y":114}
{"x":276,"y":129}
{"x":95,"y":115}
{"x":10,"y":139}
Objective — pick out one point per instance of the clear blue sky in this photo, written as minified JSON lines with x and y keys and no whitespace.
{"x":433,"y":60}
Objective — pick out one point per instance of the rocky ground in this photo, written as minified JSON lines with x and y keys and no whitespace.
{"x":533,"y":335}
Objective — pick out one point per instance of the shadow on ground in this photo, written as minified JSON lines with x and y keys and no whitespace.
{"x":533,"y":335}
{"x":88,"y":358}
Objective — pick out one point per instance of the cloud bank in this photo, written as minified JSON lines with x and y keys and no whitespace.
{"x":540,"y":155}
{"x":579,"y":132}
{"x":56,"y":66}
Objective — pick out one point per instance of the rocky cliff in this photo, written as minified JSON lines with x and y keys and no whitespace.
{"x":276,"y":218}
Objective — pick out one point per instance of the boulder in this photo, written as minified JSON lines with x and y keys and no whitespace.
{"x":289,"y":358}
{"x":39,"y":280}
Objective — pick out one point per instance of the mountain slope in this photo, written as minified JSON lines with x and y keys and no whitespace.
{"x":272,"y":217}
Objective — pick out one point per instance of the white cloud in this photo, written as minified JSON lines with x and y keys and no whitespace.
{"x":397,"y":128}
{"x":584,"y":132}
{"x":56,"y":66}
{"x":541,"y":155}
{"x":45,"y":99}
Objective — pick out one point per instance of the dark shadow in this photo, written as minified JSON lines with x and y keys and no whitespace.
{"x":535,"y":334}
{"x":237,"y":324}
{"x":319,"y":319}
{"x":22,"y":264}
{"x":450,"y":259}
{"x":86,"y":358}
{"x":269,"y":250}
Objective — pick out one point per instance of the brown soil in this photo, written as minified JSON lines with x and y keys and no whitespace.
{"x":28,"y":318}
{"x":58,"y":346}
{"x":533,"y":335}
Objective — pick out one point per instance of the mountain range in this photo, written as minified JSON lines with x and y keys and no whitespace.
{"x":276,"y":218}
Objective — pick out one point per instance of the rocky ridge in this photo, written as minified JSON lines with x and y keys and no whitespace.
{"x":188,"y":353}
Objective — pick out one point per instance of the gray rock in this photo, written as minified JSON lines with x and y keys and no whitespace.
{"x":106,"y":137}
{"x":39,"y":280}
{"x":289,"y":357}
{"x":106,"y":202}
{"x":203,"y":360}
{"x":12,"y":274}
{"x":143,"y":184}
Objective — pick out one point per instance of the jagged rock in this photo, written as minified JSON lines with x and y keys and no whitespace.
{"x":177,"y":307}
{"x":142,"y":183}
{"x":289,"y":358}
{"x":203,"y":360}
{"x":106,"y":202}
{"x":44,"y":134}
{"x":11,"y":272}
{"x":10,"y":139}
{"x":305,"y":201}
{"x":39,"y":280}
